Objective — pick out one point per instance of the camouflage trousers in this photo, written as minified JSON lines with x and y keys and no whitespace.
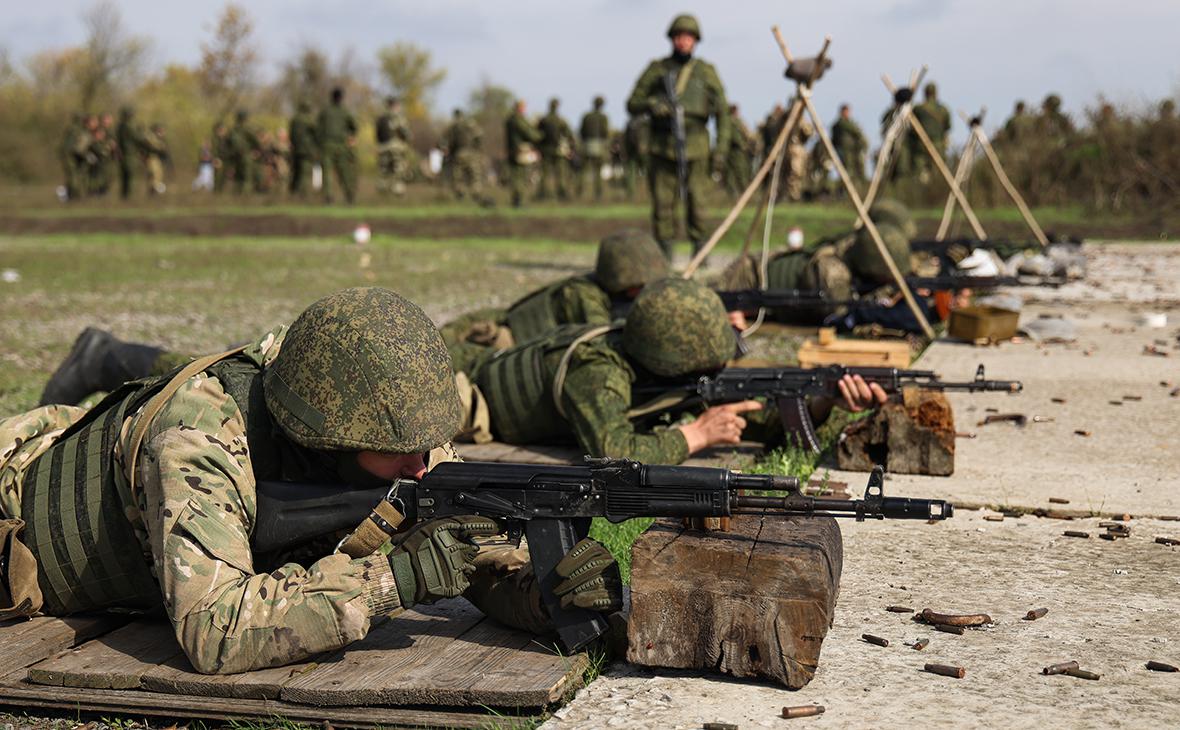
{"x":392,"y":170}
{"x":665,"y":199}
{"x":339,"y":159}
{"x":467,"y":173}
{"x":555,"y":171}
{"x":592,"y":170}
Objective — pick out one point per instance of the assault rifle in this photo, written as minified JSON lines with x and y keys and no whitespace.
{"x":551,"y":506}
{"x":748,"y":300}
{"x":955,"y":281}
{"x":679,"y":134}
{"x":790,"y":388}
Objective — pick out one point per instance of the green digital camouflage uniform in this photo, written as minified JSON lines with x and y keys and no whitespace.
{"x":393,"y":152}
{"x":195,"y":505}
{"x":595,"y":136}
{"x":702,"y":96}
{"x":556,"y":148}
{"x":636,"y":145}
{"x":304,"y":150}
{"x":132,"y":143}
{"x":336,"y":134}
{"x":520,"y":138}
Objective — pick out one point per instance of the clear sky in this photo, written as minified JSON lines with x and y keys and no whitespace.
{"x":981,"y":52}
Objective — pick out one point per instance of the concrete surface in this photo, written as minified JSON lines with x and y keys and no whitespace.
{"x":1113,"y":606}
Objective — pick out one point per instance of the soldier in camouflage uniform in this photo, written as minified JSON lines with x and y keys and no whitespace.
{"x":935,"y":118}
{"x":742,"y":146}
{"x":850,"y":144}
{"x":336,"y":135}
{"x":575,"y":384}
{"x":162,"y":500}
{"x":71,"y":163}
{"x":463,"y":146}
{"x":242,"y":152}
{"x":156,"y":158}
{"x":700,"y":93}
{"x":627,"y":261}
{"x":595,"y":136}
{"x":393,"y":148}
{"x":636,"y":149}
{"x":304,"y":149}
{"x":520,"y":140}
{"x":556,"y":147}
{"x":133,"y":145}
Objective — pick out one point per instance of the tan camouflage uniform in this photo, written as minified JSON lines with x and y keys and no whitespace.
{"x":197,"y":506}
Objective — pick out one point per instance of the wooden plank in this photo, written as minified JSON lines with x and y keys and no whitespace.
{"x":114,"y":661}
{"x":878,"y":353}
{"x":756,"y":601}
{"x":349,"y":677}
{"x":177,"y":676}
{"x":25,"y":696}
{"x":27,"y":641}
{"x":739,"y":456}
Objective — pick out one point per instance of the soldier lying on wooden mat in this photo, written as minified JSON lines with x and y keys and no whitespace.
{"x":148,"y":500}
{"x":574,"y":384}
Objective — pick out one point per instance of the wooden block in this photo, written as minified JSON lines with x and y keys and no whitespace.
{"x":873,"y":353}
{"x":115,"y":661}
{"x":27,"y":641}
{"x":756,"y":601}
{"x":916,"y":436}
{"x":740,"y":456}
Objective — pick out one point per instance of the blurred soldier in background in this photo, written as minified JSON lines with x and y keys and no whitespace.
{"x":242,"y":147}
{"x":520,"y":138}
{"x":936,"y":120}
{"x":636,"y":145}
{"x":595,"y":136}
{"x":393,"y":148}
{"x":336,"y":134}
{"x":132,"y":145}
{"x":850,"y":144}
{"x":156,"y":158}
{"x":742,"y":146}
{"x":557,"y":148}
{"x":302,"y":136}
{"x":462,"y":145}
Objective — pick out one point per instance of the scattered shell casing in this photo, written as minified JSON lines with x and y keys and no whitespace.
{"x":946,"y":670}
{"x":803,"y":711}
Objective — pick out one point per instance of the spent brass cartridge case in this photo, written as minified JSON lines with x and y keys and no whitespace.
{"x":946,"y":670}
{"x":803,"y":711}
{"x":875,"y":640}
{"x":1059,"y":668}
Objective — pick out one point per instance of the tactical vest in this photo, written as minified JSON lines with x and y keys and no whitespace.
{"x":786,"y":271}
{"x":518,"y":384}
{"x":88,"y":557}
{"x":535,"y":315}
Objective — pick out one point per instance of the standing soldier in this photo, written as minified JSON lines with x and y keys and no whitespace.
{"x":303,"y":148}
{"x":850,"y":144}
{"x":131,"y":144}
{"x":520,"y":137}
{"x":795,"y":170}
{"x":1053,"y":124}
{"x":67,"y":152}
{"x":936,"y":120}
{"x":243,"y":149}
{"x":742,"y":145}
{"x":595,"y":136}
{"x":155,"y":153}
{"x":463,"y":146}
{"x":557,"y":147}
{"x":393,"y":148}
{"x":336,"y":133}
{"x":636,"y":147}
{"x":696,"y":95}
{"x":1017,"y":129}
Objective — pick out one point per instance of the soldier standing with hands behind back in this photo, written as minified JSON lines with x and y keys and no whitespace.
{"x":698,"y":92}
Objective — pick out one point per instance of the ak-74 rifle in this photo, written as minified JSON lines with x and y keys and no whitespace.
{"x":551,"y":506}
{"x":678,"y":134}
{"x":952,"y":282}
{"x":790,"y":388}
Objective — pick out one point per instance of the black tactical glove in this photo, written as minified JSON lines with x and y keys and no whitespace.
{"x":433,"y":559}
{"x":590,"y":578}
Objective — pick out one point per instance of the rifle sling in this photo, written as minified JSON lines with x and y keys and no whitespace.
{"x":682,"y":79}
{"x":564,"y":365}
{"x":374,"y":530}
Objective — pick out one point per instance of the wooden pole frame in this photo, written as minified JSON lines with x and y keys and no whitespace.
{"x":966,"y":163}
{"x":889,"y":143}
{"x":1006,"y":183}
{"x":793,"y":117}
{"x":863,"y":212}
{"x":939,"y":163}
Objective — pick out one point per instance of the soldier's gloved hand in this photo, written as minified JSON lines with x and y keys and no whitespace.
{"x":660,"y":108}
{"x":590,"y":578}
{"x":433,"y":559}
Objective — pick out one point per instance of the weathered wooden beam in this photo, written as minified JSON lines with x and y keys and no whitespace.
{"x":756,"y":601}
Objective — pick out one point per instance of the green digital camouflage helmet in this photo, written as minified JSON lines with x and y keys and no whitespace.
{"x":627,"y":259}
{"x":685,"y":23}
{"x":865,"y":260}
{"x":888,"y":211}
{"x":678,"y":326}
{"x":1052,"y":102}
{"x":364,"y":369}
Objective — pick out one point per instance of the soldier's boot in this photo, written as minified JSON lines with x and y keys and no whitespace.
{"x":98,"y":361}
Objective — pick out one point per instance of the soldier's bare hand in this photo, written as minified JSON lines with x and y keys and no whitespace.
{"x":718,"y":425}
{"x":859,"y":395}
{"x":738,"y":321}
